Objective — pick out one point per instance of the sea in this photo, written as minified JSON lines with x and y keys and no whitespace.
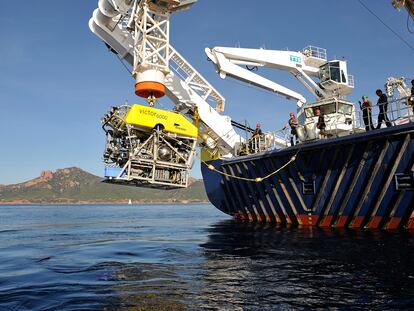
{"x":193,"y":257}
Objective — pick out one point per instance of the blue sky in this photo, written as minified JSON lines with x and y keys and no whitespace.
{"x":57,"y":79}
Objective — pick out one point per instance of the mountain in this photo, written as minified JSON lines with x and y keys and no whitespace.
{"x":73,"y":185}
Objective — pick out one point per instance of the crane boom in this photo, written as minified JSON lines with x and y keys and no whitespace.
{"x":226,"y":66}
{"x":187,"y":88}
{"x":304,"y":66}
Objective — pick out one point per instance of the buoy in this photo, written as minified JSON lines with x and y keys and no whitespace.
{"x":147,"y":88}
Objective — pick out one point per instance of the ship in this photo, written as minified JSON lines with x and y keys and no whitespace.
{"x":344,"y":175}
{"x":364,"y":180}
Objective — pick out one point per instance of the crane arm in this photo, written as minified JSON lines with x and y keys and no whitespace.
{"x":184,"y":85}
{"x":228,"y":67}
{"x":398,"y":84}
{"x":304,"y":66}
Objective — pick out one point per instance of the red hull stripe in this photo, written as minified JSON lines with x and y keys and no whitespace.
{"x":393,"y":223}
{"x":357,"y":222}
{"x":341,"y":222}
{"x":375,"y":222}
{"x":326,"y":222}
{"x":308,"y":220}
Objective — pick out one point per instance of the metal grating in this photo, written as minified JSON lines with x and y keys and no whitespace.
{"x":404,"y":181}
{"x":308,"y":187}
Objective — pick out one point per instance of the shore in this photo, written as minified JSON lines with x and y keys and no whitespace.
{"x":123,"y":202}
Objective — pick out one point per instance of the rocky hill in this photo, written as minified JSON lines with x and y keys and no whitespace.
{"x":73,"y":185}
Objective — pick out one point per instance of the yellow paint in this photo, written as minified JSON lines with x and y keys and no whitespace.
{"x":149,"y":117}
{"x":206,"y":156}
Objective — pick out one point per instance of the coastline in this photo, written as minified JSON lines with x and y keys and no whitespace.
{"x":123,"y":202}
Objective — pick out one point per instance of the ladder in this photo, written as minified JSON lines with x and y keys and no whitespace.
{"x":195,"y":80}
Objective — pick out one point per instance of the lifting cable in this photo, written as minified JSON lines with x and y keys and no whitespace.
{"x":389,"y":28}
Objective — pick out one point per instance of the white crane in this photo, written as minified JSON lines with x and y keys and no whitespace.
{"x":399,"y":85}
{"x":138,"y":31}
{"x":304,"y":65}
{"x":327,"y":81}
{"x":407,"y":4}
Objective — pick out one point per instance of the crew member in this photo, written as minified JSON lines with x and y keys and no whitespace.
{"x":411,"y":100}
{"x":366,"y":107}
{"x":257,"y":131}
{"x":383,"y":108}
{"x":255,"y":140}
{"x":321,"y":123}
{"x":412,"y":88}
{"x":293,"y":123}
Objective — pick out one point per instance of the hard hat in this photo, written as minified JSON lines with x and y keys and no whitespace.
{"x":292,"y":114}
{"x":364,"y":96}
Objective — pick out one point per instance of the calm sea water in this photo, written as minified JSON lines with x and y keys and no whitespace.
{"x":192,"y":257}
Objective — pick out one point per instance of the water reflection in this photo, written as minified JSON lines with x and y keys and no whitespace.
{"x":188,"y":258}
{"x":268,"y":267}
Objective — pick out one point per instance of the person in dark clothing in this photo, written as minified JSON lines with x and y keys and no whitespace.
{"x":293,"y":123}
{"x":254,"y":142}
{"x":412,"y":87}
{"x":258,"y":131}
{"x":383,"y":108}
{"x":411,"y":100}
{"x":366,"y":107}
{"x":321,"y":123}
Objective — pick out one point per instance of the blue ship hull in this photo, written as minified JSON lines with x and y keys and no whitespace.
{"x":363,"y":180}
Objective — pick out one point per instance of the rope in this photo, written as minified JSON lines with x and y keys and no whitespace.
{"x":257,"y":179}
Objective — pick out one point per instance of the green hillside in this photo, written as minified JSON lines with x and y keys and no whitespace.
{"x":73,"y":185}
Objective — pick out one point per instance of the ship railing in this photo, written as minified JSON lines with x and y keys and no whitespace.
{"x":261,"y":143}
{"x":315,"y":51}
{"x":351,"y":81}
{"x":399,"y":111}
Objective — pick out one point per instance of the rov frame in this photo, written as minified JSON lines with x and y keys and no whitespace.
{"x":151,"y":157}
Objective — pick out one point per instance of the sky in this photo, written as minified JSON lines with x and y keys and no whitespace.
{"x":57,"y":79}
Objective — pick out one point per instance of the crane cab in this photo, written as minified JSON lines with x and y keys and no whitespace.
{"x":334,"y":77}
{"x":339,"y":116}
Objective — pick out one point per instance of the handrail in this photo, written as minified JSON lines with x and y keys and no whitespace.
{"x":398,"y":112}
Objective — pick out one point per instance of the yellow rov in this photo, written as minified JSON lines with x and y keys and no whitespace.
{"x":148,"y":118}
{"x":148,"y":147}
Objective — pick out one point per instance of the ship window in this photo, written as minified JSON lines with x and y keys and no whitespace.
{"x":331,"y":72}
{"x":324,"y":74}
{"x":335,"y":71}
{"x":325,"y":109}
{"x":301,"y":118}
{"x":343,"y":76}
{"x":309,"y":112}
{"x":328,"y":108}
{"x":344,"y":108}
